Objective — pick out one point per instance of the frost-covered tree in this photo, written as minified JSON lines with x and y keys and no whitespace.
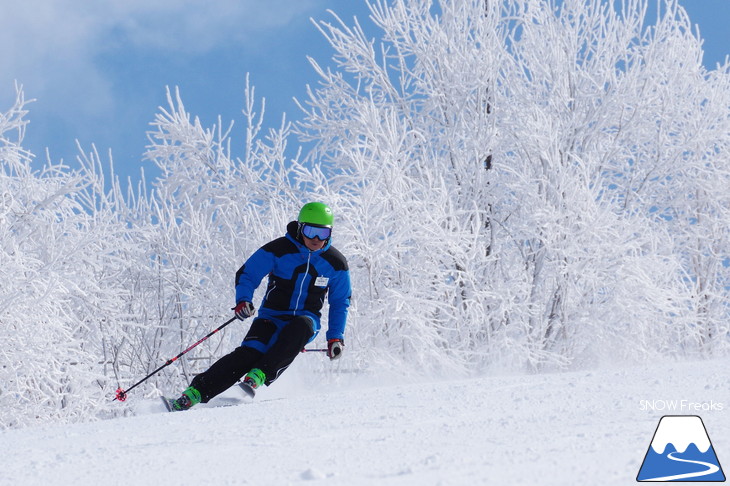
{"x":512,"y":167}
{"x":60,"y":237}
{"x":104,"y":286}
{"x":209,"y":212}
{"x":633,"y":126}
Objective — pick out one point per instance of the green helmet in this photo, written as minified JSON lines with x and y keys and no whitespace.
{"x":316,"y":213}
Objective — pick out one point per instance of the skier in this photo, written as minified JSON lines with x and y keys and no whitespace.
{"x":303,"y":267}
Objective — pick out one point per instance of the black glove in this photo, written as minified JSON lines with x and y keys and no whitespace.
{"x":335,"y":348}
{"x":244,"y":309}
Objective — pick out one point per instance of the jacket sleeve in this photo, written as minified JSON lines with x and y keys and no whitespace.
{"x":340,"y":292}
{"x":249,"y":276}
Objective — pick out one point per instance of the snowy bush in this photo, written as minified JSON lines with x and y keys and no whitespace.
{"x":60,"y":241}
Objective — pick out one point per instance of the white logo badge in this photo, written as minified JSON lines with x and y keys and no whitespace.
{"x":321,"y":282}
{"x":681,"y":451}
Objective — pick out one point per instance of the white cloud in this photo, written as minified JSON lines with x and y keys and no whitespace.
{"x":56,"y":46}
{"x":50,"y":49}
{"x":197,"y":26}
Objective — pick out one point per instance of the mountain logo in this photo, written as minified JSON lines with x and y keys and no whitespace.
{"x":680,"y":451}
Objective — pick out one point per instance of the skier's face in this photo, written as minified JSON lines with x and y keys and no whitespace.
{"x":313,"y":244}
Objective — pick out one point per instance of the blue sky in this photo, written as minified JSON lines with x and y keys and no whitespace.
{"x":98,"y":70}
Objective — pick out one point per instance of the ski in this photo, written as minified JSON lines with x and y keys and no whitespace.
{"x":247,"y":389}
{"x":168,"y":404}
{"x":217,"y":402}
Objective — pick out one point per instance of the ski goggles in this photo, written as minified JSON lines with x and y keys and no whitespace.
{"x":312,"y":232}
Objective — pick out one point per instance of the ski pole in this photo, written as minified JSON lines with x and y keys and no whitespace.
{"x":122,"y":394}
{"x":314,"y":350}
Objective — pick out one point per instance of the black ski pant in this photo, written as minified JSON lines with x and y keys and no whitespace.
{"x":225,"y":372}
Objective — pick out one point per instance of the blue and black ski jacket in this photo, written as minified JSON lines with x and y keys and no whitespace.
{"x":299,"y":280}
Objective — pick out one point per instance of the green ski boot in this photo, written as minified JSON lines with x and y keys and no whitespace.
{"x":254,"y":379}
{"x":189,"y":397}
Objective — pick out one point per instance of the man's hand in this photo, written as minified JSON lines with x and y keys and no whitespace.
{"x":335,"y":348}
{"x":244,"y":309}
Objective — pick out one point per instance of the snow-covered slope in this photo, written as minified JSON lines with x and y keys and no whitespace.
{"x":562,"y":429}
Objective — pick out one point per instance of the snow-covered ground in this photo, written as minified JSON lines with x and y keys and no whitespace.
{"x":577,"y":428}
